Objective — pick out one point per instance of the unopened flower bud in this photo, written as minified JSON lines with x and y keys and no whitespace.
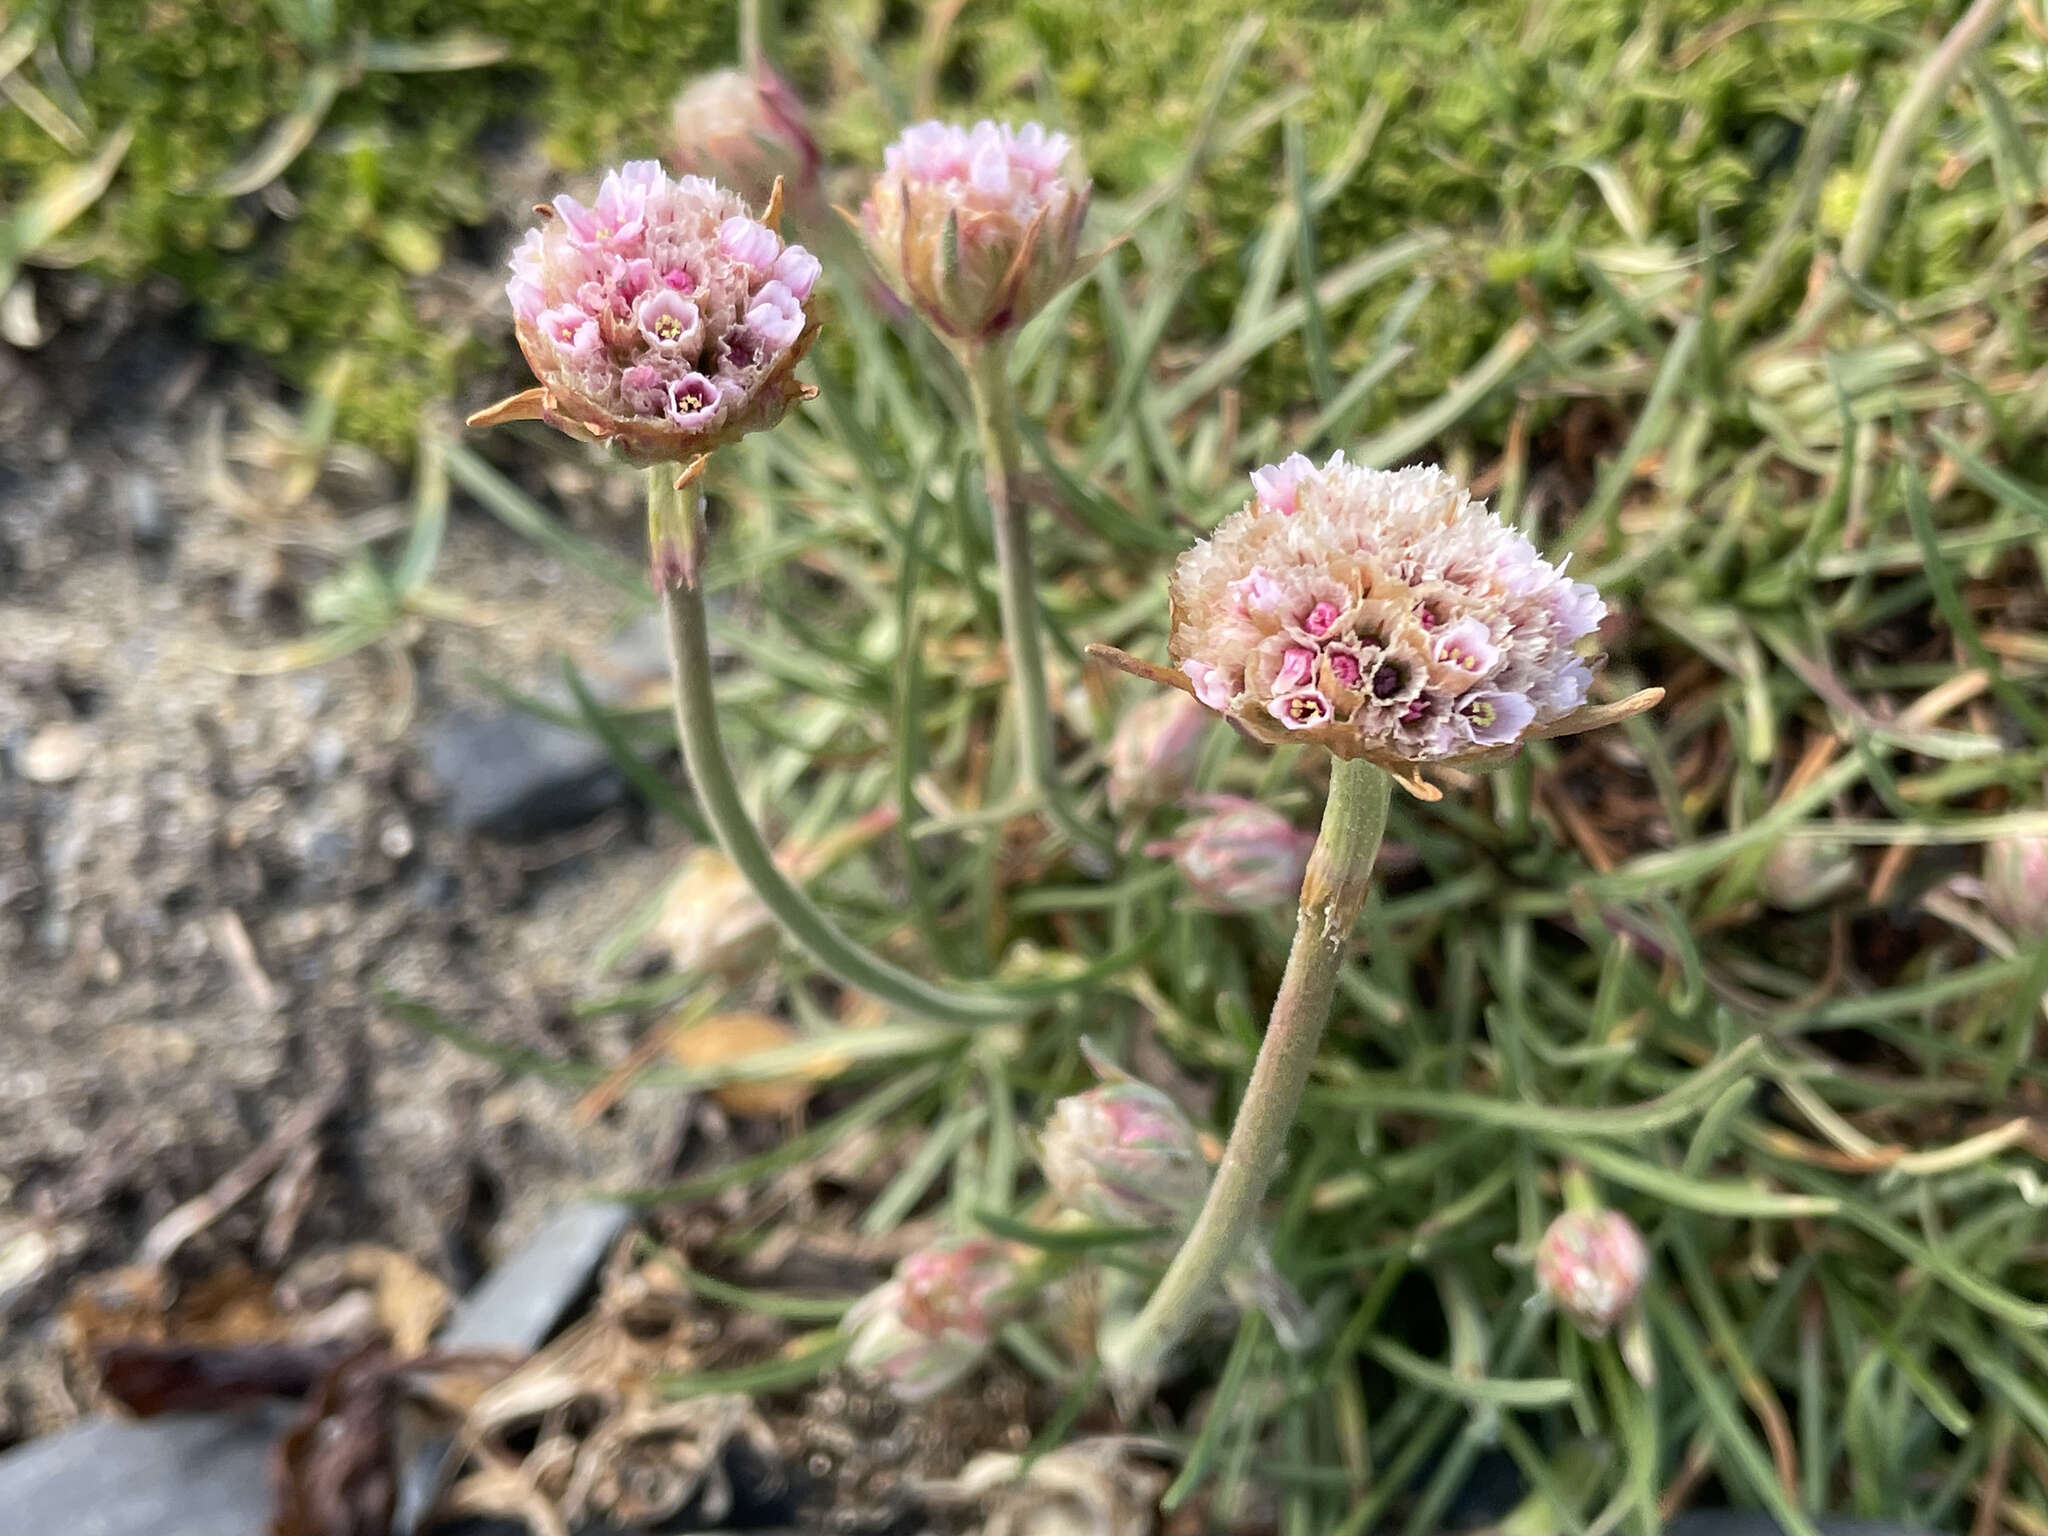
{"x":2016,"y":885}
{"x":1238,"y":855}
{"x":1798,"y":875}
{"x":746,"y":128}
{"x":1153,"y":755}
{"x":711,"y":923}
{"x":1590,"y":1265}
{"x":976,"y":228}
{"x":1126,"y":1156}
{"x":663,"y":319}
{"x":928,"y":1324}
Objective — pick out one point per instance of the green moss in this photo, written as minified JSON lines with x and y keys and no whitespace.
{"x":1497,"y":115}
{"x":393,"y":173}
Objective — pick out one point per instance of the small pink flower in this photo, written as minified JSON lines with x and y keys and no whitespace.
{"x":692,"y":401}
{"x":750,"y":242}
{"x":669,"y":322}
{"x":1302,"y":710}
{"x":1277,"y":485}
{"x":1211,"y":687}
{"x":797,"y":270}
{"x":1491,"y":719}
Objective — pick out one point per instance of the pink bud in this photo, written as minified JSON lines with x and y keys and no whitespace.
{"x":2016,"y":885}
{"x":928,"y":1325}
{"x":1591,"y":1265}
{"x":1238,"y":856}
{"x":975,"y":228}
{"x":1126,"y":1156}
{"x":1152,"y":757}
{"x":747,"y":129}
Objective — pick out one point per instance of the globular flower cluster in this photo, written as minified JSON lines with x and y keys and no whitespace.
{"x":928,"y":1324}
{"x":2016,"y":885}
{"x":975,"y":228}
{"x":1591,"y":1265}
{"x":1383,"y":614}
{"x":663,"y":318}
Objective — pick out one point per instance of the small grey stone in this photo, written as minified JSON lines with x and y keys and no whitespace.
{"x":144,"y":503}
{"x":514,"y":777}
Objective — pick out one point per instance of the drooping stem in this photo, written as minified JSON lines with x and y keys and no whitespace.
{"x":988,"y":379}
{"x":1339,"y":874}
{"x":675,"y":532}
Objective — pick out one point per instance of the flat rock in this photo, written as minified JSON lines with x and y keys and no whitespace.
{"x":515,"y":777}
{"x":179,"y":1475}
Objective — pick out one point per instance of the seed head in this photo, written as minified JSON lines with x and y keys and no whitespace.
{"x":927,"y":1326}
{"x":975,"y":228}
{"x":1238,"y":856}
{"x":1591,"y":1265}
{"x":663,"y":318}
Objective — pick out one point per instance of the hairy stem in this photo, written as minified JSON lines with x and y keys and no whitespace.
{"x":675,"y":530}
{"x":1339,"y":874}
{"x":1037,"y":768}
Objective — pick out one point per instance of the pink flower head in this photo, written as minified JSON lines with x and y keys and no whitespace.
{"x":747,"y":129}
{"x":1591,"y":1265}
{"x":1237,"y":855}
{"x":927,"y":1326}
{"x":661,"y":318}
{"x":976,"y":228}
{"x":1383,"y":614}
{"x":1124,"y":1155}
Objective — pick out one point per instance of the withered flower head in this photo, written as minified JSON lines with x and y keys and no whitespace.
{"x":976,"y":228}
{"x":663,"y":319}
{"x":1385,"y":615}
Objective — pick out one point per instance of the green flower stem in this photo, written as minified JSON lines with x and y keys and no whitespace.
{"x":988,"y":376}
{"x":1339,"y":874}
{"x":675,"y":525}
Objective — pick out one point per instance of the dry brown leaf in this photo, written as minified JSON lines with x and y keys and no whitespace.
{"x":725,"y":1038}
